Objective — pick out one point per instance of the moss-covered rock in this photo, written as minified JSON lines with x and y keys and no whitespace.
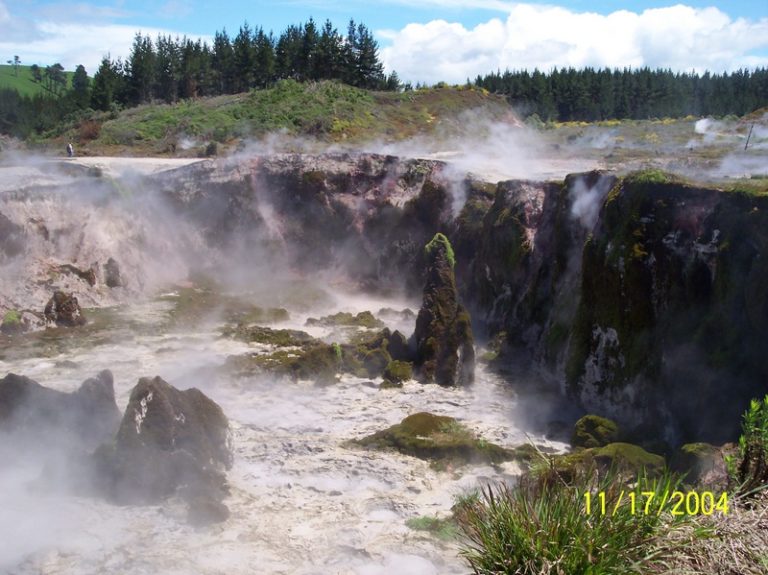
{"x":443,"y":337}
{"x":436,"y":437}
{"x":626,"y":458}
{"x":363,"y":319}
{"x":397,"y":372}
{"x":629,"y":457}
{"x":594,"y":431}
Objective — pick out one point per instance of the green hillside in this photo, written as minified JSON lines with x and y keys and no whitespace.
{"x":326,"y":111}
{"x":23,"y":82}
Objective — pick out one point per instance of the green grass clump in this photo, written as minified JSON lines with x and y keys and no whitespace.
{"x":441,"y":240}
{"x":541,"y":527}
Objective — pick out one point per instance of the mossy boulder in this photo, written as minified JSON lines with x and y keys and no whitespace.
{"x":397,"y":372}
{"x":438,"y":438}
{"x":594,"y":431}
{"x":628,"y":456}
{"x":443,"y":336}
{"x":701,"y":463}
{"x":363,"y":319}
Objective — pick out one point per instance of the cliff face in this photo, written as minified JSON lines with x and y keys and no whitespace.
{"x":643,"y":297}
{"x":368,"y":215}
{"x":671,"y":324}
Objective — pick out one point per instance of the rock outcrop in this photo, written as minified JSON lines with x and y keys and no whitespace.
{"x":11,"y":238}
{"x":169,"y":442}
{"x":112,"y":274}
{"x":86,"y":417}
{"x":443,"y":337}
{"x":64,"y":310}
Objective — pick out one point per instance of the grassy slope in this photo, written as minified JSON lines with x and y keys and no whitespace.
{"x":325,"y":111}
{"x":23,"y":82}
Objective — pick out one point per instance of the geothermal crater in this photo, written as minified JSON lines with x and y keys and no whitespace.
{"x":308,"y":302}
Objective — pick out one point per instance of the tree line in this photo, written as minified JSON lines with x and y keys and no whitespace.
{"x":23,"y":115}
{"x":590,"y":94}
{"x":169,"y":69}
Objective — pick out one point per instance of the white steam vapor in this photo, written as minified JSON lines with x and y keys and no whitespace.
{"x":587,"y":200}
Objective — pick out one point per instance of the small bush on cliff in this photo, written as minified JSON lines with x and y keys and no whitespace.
{"x":542,"y":526}
{"x":752,"y":472}
{"x":440,"y":239}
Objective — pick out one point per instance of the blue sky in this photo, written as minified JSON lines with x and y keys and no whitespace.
{"x":424,"y":41}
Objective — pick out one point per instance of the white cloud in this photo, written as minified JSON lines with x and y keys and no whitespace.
{"x":71,"y":40}
{"x":538,"y":36}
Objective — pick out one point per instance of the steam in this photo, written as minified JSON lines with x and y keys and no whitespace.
{"x":68,"y":217}
{"x":587,"y":200}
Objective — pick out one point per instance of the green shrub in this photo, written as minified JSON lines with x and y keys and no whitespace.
{"x":751,"y":473}
{"x":541,"y":526}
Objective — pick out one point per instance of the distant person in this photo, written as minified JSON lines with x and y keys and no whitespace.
{"x":70,"y":150}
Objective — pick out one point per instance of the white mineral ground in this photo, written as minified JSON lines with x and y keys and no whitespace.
{"x":301,"y":502}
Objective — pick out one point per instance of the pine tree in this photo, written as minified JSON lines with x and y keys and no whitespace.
{"x":141,"y":70}
{"x":81,"y":95}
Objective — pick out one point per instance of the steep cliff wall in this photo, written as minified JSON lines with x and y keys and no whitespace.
{"x":642,"y":296}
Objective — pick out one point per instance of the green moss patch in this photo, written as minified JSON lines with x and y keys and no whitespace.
{"x":266,"y":335}
{"x":362,"y":319}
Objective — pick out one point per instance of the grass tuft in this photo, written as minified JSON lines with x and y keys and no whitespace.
{"x":541,"y":526}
